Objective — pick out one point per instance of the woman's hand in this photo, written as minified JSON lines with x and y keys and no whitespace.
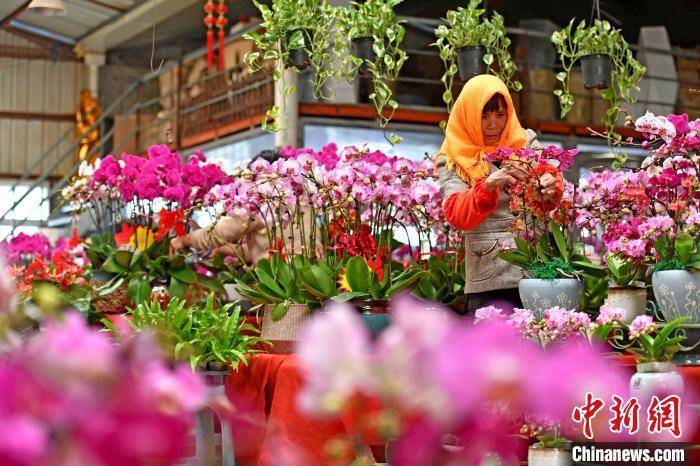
{"x":504,"y":177}
{"x":548,"y":186}
{"x":180,"y":242}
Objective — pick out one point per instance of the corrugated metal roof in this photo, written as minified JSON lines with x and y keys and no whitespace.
{"x":82,"y":16}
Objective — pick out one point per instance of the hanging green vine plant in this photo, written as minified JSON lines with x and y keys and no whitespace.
{"x":466,"y":31}
{"x":596,"y":45}
{"x":298,"y":34}
{"x":376,"y":35}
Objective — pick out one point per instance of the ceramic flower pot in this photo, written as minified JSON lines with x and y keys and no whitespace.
{"x":470,"y":60}
{"x":631,"y":298}
{"x":283,"y":333}
{"x":596,"y":71}
{"x":363,"y":47}
{"x":538,"y":294}
{"x":677,"y":293}
{"x":374,"y":313}
{"x":538,"y":456}
{"x":656,"y":378}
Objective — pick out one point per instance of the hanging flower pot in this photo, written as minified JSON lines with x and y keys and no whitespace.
{"x":540,"y":456}
{"x":298,"y":57}
{"x":363,"y":47}
{"x":374,"y":313}
{"x":539,"y":294}
{"x":597,"y":69}
{"x":285,"y":332}
{"x":470,"y":60}
{"x":631,"y":298}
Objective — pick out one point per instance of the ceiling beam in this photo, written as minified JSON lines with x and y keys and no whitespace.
{"x":133,"y":22}
{"x":20,"y":9}
{"x":37,"y":53}
{"x":37,"y":116}
{"x":119,"y":9}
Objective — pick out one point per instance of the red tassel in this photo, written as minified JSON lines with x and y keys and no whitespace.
{"x":221,"y":50}
{"x":210,"y":48}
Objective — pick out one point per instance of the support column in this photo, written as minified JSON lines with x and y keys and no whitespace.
{"x":94,"y":61}
{"x":288,"y":135}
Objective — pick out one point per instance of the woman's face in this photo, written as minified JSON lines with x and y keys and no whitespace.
{"x":492,"y":124}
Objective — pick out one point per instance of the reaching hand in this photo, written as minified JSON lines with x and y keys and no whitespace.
{"x":506,"y":176}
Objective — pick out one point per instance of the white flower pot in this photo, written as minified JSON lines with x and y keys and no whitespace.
{"x":632,"y":299}
{"x":656,"y":378}
{"x":538,"y":295}
{"x":537,"y":456}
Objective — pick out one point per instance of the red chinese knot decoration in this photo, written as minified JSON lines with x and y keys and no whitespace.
{"x":215,"y":16}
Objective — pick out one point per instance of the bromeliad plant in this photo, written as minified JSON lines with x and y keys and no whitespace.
{"x":295,"y":28}
{"x":197,"y":334}
{"x":600,"y":38}
{"x":465,"y":27}
{"x":375,"y":19}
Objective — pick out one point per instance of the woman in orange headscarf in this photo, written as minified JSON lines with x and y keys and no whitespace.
{"x":483,"y":118}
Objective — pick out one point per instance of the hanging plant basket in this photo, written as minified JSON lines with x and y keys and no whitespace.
{"x":597,"y":70}
{"x":298,"y":58}
{"x":363,"y":47}
{"x":470,"y":60}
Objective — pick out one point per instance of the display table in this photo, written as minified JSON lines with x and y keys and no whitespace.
{"x":265,"y":393}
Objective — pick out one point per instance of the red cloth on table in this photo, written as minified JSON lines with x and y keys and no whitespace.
{"x":268,"y":388}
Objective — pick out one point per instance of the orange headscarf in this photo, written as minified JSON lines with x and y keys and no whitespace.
{"x":464,"y":147}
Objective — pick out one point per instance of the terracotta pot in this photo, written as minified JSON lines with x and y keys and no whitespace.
{"x":283,"y":333}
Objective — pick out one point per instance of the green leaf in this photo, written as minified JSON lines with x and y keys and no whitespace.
{"x":516,"y":258}
{"x":110,"y":265}
{"x":123,"y":258}
{"x":560,"y":240}
{"x":561,"y":76}
{"x":684,"y":247}
{"x":139,"y":289}
{"x":280,"y":310}
{"x":343,"y":297}
{"x":358,"y":274}
{"x":110,"y":286}
{"x":185,"y":275}
{"x":177,"y":289}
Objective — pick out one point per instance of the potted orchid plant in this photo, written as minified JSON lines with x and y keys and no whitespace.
{"x":142,"y":202}
{"x":554,"y":265}
{"x":330,"y":220}
{"x":609,"y":201}
{"x":473,"y":45}
{"x":661,"y":213}
{"x":607,"y":61}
